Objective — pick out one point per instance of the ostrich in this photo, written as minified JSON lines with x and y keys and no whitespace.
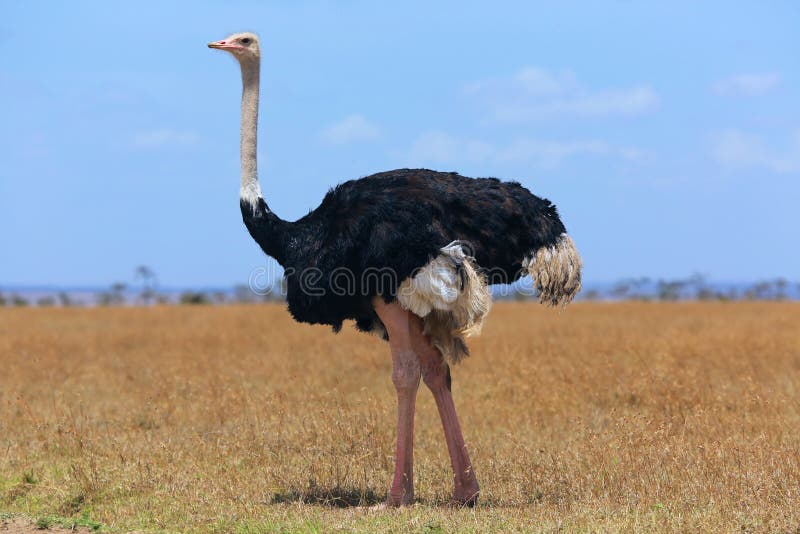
{"x":406,"y":254}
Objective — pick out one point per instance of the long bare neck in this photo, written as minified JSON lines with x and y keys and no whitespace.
{"x":250,"y":190}
{"x":270,"y":231}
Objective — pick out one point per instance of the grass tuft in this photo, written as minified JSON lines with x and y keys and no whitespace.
{"x":83,"y":522}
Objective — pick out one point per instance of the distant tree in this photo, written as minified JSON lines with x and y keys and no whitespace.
{"x":219,"y":297}
{"x":2,"y":300}
{"x":65,"y":300}
{"x":639,"y":288}
{"x":759,"y":291}
{"x":46,"y":302}
{"x":707,"y":293}
{"x":631,"y":288}
{"x":590,"y":294}
{"x":115,"y":296}
{"x":621,"y":289}
{"x":193,"y":297}
{"x":670,"y":290}
{"x":731,"y":294}
{"x":781,"y":287}
{"x":698,"y":287}
{"x":18,"y":301}
{"x":148,"y":280}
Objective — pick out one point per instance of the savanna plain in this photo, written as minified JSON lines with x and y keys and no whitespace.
{"x":640,"y":417}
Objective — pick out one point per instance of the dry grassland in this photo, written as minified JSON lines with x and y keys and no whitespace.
{"x":604,"y":417}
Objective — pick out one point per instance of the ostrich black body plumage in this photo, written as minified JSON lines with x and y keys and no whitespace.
{"x":368,"y":235}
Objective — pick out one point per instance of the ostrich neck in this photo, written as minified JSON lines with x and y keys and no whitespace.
{"x":269,"y":231}
{"x":250,"y":190}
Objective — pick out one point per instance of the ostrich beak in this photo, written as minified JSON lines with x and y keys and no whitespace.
{"x":222,"y":45}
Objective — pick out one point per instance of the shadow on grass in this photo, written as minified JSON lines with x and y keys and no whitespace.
{"x":334,"y":497}
{"x":351,"y":497}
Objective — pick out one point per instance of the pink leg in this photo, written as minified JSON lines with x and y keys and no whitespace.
{"x":436,"y":375}
{"x":405,"y":376}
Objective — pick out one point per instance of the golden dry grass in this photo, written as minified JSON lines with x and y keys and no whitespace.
{"x":605,"y":417}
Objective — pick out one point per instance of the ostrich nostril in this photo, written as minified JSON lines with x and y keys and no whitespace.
{"x":222,"y":42}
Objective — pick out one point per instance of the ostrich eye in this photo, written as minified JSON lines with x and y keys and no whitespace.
{"x":246,"y":40}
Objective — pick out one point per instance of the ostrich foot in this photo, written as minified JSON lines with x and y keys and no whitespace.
{"x":466,"y":490}
{"x":466,"y":497}
{"x":395,"y":501}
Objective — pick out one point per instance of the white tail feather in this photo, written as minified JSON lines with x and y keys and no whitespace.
{"x":556,"y":271}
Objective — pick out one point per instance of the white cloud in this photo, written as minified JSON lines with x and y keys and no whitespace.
{"x":533,"y":94}
{"x":436,"y":147}
{"x":164,"y":138}
{"x":627,"y":102}
{"x":529,"y":80}
{"x":735,"y":148}
{"x":351,"y":129}
{"x":747,"y":84}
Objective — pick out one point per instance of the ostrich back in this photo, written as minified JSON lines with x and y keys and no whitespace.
{"x":368,"y":235}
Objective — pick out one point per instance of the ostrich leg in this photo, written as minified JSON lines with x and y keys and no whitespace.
{"x":436,"y":375}
{"x":405,"y":376}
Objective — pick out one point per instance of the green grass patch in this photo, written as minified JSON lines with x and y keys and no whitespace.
{"x":71,"y":523}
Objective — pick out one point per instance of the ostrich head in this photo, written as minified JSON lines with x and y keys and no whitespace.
{"x":243,"y":46}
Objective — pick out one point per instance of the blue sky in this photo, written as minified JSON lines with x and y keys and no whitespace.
{"x":668,"y":135}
